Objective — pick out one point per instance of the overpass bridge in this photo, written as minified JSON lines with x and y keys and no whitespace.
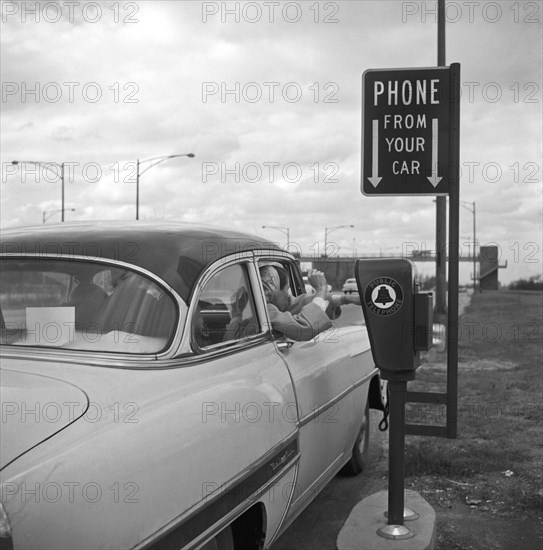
{"x":339,"y":267}
{"x":425,"y":256}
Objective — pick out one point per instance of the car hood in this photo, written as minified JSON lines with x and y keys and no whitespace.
{"x":35,"y":407}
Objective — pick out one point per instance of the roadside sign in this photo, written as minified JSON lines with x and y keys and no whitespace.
{"x":406,"y":131}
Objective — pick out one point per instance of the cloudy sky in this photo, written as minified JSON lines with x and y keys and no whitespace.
{"x":267,"y":95}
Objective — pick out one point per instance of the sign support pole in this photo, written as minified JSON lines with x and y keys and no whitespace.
{"x":454,"y":222}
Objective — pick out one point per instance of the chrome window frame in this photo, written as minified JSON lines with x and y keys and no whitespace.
{"x":188,"y":345}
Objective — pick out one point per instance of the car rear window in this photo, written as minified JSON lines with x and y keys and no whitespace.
{"x":74,"y":304}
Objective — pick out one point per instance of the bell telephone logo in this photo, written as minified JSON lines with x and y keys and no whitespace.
{"x":383,"y":296}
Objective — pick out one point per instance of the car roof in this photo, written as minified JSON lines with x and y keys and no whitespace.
{"x":175,"y":251}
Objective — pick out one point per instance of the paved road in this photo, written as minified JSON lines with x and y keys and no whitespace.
{"x":318,"y":526}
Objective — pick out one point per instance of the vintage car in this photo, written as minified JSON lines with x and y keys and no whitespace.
{"x":132,"y":417}
{"x":350,"y":286}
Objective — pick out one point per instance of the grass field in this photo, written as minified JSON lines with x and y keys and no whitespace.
{"x":487,"y":485}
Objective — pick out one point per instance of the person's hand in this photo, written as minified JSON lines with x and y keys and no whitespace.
{"x":318,"y":281}
{"x":351,"y":299}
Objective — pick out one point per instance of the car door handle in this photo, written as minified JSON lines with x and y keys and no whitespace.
{"x":285,"y":345}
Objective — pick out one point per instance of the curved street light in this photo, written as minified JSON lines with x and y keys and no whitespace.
{"x":58,"y":171}
{"x":49,"y":213}
{"x":327,"y":231}
{"x":285,"y":230}
{"x":154,"y":161}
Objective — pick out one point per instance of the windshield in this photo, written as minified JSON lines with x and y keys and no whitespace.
{"x":76,"y":304}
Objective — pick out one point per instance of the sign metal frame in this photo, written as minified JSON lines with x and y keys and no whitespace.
{"x":430,"y":135}
{"x":450,"y":398}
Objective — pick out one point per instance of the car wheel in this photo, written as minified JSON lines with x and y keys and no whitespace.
{"x":223,"y":541}
{"x":360,"y":454}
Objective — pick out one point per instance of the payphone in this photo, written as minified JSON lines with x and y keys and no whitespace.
{"x":398,"y":317}
{"x":399,"y":323}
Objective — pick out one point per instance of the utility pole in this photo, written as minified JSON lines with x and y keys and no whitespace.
{"x":440,"y":310}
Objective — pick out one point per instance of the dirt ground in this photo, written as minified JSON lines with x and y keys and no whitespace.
{"x":486,"y":485}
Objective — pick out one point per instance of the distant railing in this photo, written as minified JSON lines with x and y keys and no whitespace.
{"x":426,"y":256}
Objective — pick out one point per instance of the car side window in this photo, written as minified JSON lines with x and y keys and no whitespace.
{"x":225,"y":311}
{"x":295,"y":282}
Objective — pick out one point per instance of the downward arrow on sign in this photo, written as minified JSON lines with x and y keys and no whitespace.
{"x":434,"y":179}
{"x":375,"y":179}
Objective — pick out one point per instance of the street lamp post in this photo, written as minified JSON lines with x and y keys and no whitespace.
{"x":467,"y":205}
{"x":154,"y":161}
{"x":328,"y":230}
{"x":285,"y":230}
{"x":47,"y":214}
{"x":59,"y":172}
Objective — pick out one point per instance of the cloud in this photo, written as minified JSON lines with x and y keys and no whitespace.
{"x":272,"y":110}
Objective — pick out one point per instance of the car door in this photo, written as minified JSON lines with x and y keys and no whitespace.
{"x":331,"y":375}
{"x":248,"y":449}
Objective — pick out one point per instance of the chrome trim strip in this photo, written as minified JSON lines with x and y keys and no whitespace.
{"x":287,"y":509}
{"x":260,"y":300}
{"x":253,"y":499}
{"x":119,"y":361}
{"x":223,"y":491}
{"x":309,"y":417}
{"x":273,"y":254}
{"x":98,"y":359}
{"x":326,"y":475}
{"x":357,"y":353}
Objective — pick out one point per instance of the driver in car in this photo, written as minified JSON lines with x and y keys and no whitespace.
{"x":303,"y":317}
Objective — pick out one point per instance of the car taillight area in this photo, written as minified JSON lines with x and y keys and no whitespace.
{"x":83,"y":305}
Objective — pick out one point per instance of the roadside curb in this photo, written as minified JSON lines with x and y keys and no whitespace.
{"x":360,"y":529}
